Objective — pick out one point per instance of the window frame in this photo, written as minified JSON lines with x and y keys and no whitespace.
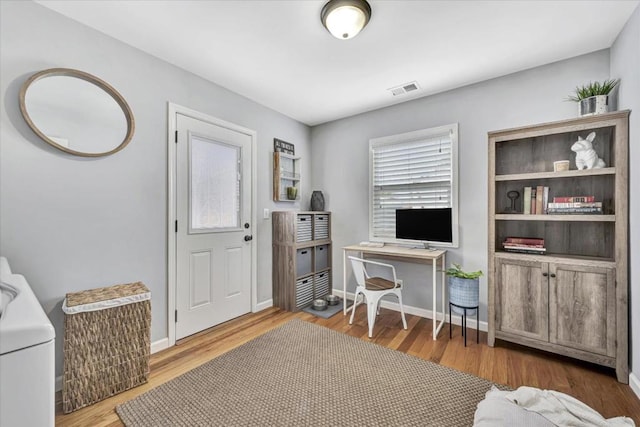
{"x":404,"y":138}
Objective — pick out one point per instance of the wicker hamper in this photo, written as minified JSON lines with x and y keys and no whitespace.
{"x":106,"y":343}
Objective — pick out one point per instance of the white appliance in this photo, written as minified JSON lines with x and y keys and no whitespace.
{"x":27,"y":368}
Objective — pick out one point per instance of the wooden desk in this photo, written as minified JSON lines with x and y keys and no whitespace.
{"x":421,"y":256}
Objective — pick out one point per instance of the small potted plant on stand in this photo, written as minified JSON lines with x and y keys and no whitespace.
{"x":464,"y":294}
{"x":593,"y":98}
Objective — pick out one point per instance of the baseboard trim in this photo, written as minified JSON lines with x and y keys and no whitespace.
{"x":263,"y":305}
{"x":634,"y":383}
{"x":421,"y":312}
{"x":159,"y":345}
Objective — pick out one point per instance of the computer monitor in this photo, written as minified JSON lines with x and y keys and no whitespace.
{"x":428,"y":225}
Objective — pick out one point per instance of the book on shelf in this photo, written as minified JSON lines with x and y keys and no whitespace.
{"x":560,"y":211}
{"x":527,"y":200}
{"x":574,"y":199}
{"x":521,"y":245}
{"x":539,"y":198}
{"x":534,"y":196}
{"x":545,"y":200}
{"x":525,"y":240}
{"x":536,"y":199}
{"x":575,"y":205}
{"x":527,"y":245}
{"x":526,"y":250}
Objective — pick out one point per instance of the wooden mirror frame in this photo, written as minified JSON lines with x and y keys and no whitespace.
{"x":69,"y":72}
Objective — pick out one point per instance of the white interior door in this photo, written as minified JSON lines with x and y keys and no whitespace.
{"x":213,"y":237}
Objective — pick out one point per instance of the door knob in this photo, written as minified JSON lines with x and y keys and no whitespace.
{"x":248,"y":238}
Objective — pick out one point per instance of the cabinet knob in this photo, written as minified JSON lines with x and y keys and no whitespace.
{"x":552,"y":275}
{"x":545,"y":274}
{"x":248,"y":238}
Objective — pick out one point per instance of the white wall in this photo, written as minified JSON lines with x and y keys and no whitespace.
{"x":625,"y":64}
{"x":70,"y":223}
{"x":340,"y":155}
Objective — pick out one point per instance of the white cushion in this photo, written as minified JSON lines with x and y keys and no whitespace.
{"x":496,"y":411}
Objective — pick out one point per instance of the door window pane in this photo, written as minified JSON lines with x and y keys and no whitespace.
{"x":215,"y":185}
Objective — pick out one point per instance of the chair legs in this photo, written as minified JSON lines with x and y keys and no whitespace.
{"x":404,"y":320}
{"x":372,"y":305}
{"x":353,"y":307}
{"x":373,"y":308}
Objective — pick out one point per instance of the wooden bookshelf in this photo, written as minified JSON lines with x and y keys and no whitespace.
{"x":572,"y":300}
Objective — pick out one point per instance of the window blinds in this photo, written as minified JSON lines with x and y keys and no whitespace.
{"x":409,"y":174}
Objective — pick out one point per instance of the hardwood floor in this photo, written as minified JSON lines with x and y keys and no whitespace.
{"x":507,"y":364}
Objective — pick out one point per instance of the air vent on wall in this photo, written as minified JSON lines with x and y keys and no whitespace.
{"x":405,"y":88}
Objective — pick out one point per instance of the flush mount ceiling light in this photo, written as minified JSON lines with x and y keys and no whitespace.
{"x":345,"y":18}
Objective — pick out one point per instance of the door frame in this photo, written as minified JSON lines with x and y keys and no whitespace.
{"x":172,"y":111}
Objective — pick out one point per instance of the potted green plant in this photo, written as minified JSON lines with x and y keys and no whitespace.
{"x":464,"y":288}
{"x":593,"y":98}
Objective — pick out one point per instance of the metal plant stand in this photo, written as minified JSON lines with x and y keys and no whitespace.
{"x":464,"y":321}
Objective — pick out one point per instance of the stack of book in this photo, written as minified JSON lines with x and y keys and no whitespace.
{"x":535,"y":200}
{"x":524,"y":245}
{"x":575,"y":205}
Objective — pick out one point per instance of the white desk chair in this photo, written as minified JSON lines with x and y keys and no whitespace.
{"x":374,"y":288}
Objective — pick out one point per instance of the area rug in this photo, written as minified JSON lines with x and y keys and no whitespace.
{"x":301,"y":374}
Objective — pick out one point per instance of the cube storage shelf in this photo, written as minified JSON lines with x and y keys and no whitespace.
{"x":301,"y":258}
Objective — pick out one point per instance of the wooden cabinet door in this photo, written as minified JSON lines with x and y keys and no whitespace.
{"x":522,"y":298}
{"x":582,"y":311}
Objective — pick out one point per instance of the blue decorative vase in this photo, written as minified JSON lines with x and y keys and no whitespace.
{"x":317,"y":201}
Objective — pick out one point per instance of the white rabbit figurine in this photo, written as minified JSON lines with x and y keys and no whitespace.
{"x":586,"y":157}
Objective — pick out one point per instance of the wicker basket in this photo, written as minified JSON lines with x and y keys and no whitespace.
{"x":106,"y":343}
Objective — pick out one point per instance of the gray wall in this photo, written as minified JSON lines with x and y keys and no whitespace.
{"x":340,"y":155}
{"x":70,"y":223}
{"x":625,"y":64}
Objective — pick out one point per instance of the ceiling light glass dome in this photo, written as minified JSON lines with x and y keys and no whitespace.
{"x":345,"y":18}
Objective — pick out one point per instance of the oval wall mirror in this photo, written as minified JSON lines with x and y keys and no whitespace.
{"x":76,"y":112}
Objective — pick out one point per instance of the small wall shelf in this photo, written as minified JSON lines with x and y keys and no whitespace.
{"x":286,"y":173}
